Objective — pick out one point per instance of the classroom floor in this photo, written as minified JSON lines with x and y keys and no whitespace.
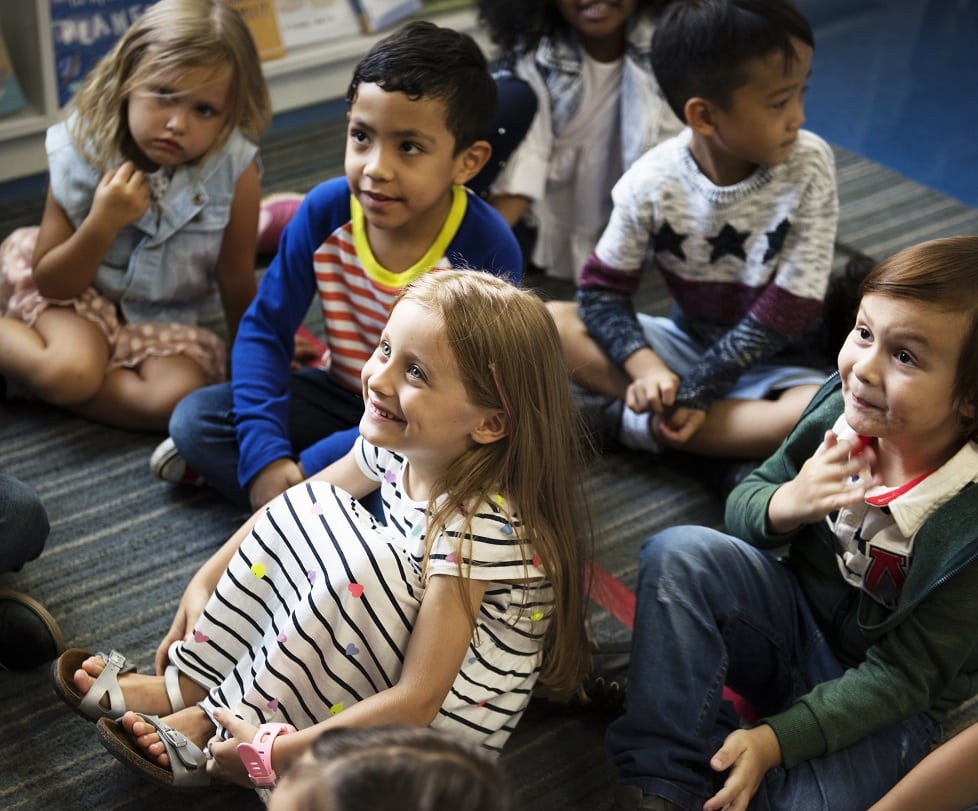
{"x":895,"y":81}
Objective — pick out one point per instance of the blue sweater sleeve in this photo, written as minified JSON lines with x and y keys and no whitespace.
{"x":485,"y":241}
{"x":262,"y":354}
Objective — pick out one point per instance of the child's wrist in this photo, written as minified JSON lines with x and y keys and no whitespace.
{"x":257,"y":755}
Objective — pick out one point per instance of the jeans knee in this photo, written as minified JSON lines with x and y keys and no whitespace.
{"x":196,"y":412}
{"x":184,"y":416}
{"x":686,"y":543}
{"x":23,"y":524}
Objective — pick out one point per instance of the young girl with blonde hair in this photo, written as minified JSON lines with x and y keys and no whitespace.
{"x":149,"y":224}
{"x":314,"y":616}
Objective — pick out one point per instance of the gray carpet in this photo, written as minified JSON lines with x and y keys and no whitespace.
{"x":122,"y":545}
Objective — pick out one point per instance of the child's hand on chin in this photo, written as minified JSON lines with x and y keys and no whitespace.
{"x":834,"y":477}
{"x":824,"y":484}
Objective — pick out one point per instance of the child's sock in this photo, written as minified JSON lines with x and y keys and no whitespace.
{"x":636,"y":431}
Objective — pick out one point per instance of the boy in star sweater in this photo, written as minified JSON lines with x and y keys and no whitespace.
{"x":738,"y":213}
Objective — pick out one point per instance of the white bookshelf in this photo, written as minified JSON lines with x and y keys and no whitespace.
{"x":304,"y":76}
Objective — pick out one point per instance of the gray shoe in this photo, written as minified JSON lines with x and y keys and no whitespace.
{"x":632,"y":798}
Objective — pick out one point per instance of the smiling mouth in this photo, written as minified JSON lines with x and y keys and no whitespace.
{"x":859,"y":402}
{"x":383,"y":413}
{"x":600,"y":7}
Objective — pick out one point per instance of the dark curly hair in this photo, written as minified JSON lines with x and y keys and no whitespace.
{"x":422,"y":59}
{"x":517,"y":26}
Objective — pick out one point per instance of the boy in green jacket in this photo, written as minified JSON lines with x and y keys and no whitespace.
{"x":848,"y":614}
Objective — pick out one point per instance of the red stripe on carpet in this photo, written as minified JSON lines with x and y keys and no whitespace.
{"x":613,"y":595}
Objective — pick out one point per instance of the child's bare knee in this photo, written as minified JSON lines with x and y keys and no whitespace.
{"x":69,"y":380}
{"x":565,"y":315}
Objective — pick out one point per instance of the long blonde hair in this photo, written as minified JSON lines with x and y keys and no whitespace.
{"x":509,"y":358}
{"x":171,"y":36}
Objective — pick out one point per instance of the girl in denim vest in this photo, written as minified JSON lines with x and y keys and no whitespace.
{"x":149,"y":226}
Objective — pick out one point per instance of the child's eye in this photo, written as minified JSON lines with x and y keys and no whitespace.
{"x":414,"y":371}
{"x":358,"y":136}
{"x":205,"y":111}
{"x":904,"y":357}
{"x":409,"y":148}
{"x":384,"y":348}
{"x":863,"y":333}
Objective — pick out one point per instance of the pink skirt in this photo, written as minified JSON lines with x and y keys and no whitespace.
{"x":129,"y":344}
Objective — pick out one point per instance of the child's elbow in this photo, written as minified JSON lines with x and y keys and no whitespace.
{"x":420,"y":704}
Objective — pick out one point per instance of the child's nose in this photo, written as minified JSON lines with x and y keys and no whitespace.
{"x":378,"y":165}
{"x":798,"y":114}
{"x":865,"y":367}
{"x":376,"y":377}
{"x":177,"y":121}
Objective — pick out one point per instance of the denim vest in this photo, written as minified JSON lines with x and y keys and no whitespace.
{"x":645,"y":116}
{"x":161,"y":267}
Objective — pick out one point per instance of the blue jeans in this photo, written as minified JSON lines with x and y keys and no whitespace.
{"x":320,"y":411}
{"x":712,"y":610}
{"x":23,"y":524}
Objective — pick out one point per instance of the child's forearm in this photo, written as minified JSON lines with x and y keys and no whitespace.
{"x":512,"y":207}
{"x":945,"y":780}
{"x":782,"y":513}
{"x":69,"y":268}
{"x":388,"y":707}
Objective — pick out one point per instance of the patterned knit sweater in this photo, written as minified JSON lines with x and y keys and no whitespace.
{"x":747,"y":265}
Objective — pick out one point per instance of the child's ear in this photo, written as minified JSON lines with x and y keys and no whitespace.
{"x":699,"y":115}
{"x":469,"y":162}
{"x":492,"y":428}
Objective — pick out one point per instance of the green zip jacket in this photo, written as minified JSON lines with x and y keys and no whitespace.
{"x":920,"y":656}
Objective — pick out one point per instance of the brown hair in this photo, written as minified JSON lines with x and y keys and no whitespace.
{"x":392,"y":768}
{"x":941,"y":272}
{"x":169,"y":37}
{"x":509,"y":357}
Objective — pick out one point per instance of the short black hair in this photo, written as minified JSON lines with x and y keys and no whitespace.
{"x":701,"y":47}
{"x":422,"y":59}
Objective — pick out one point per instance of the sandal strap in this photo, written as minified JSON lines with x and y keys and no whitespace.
{"x":171,"y":681}
{"x":106,"y":684}
{"x":187,"y":760}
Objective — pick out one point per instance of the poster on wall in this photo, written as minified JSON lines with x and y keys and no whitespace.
{"x":83,"y":31}
{"x":262,"y":21}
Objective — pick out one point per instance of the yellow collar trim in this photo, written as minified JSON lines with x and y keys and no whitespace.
{"x":435,"y":252}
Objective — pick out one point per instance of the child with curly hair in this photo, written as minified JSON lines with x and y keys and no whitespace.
{"x":598,"y":109}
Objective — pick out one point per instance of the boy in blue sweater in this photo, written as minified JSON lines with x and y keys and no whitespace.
{"x":843,"y":605}
{"x":419,"y":103}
